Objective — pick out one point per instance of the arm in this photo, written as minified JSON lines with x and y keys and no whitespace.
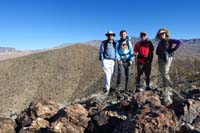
{"x":101,"y":51}
{"x":135,"y":50}
{"x":152,"y":49}
{"x":177,"y":42}
{"x":158,"y":49}
{"x":117,"y":52}
{"x":131,"y":51}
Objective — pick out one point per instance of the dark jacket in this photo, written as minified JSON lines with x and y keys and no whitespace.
{"x":167,"y":46}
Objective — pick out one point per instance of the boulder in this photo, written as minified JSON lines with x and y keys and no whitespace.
{"x":6,"y":125}
{"x":44,"y":108}
{"x":36,"y":115}
{"x":145,"y":97}
{"x":191,"y":111}
{"x":73,"y":119}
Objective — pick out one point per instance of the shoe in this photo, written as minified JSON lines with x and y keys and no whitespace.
{"x":126,"y":88}
{"x":137,"y":90}
{"x":148,"y":88}
{"x":106,"y":92}
{"x":117,"y":89}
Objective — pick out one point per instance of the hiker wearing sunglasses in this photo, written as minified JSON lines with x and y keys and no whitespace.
{"x":124,"y":56}
{"x":107,"y":56}
{"x":165,"y":51}
{"x":143,"y":50}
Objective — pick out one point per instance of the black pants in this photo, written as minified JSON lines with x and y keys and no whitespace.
{"x":124,"y":68}
{"x":143,"y":68}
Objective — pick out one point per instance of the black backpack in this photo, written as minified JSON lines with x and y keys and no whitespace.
{"x":105,"y":45}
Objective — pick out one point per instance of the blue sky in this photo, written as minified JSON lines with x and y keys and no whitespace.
{"x":37,"y":24}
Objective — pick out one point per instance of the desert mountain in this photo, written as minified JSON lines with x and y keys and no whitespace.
{"x":63,"y":74}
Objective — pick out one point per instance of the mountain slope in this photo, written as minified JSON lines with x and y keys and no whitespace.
{"x":56,"y":73}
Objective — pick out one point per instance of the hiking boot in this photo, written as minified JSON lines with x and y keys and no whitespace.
{"x":137,"y":90}
{"x":117,"y":89}
{"x":148,"y":88}
{"x":106,"y":92}
{"x":126,"y":88}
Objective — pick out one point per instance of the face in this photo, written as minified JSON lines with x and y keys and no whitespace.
{"x":123,"y":35}
{"x":124,"y":46}
{"x":143,"y":37}
{"x":162,"y":35}
{"x":110,"y":37}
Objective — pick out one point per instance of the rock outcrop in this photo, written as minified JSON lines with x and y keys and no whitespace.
{"x":127,"y":112}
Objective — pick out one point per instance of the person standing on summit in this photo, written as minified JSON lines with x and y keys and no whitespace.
{"x":107,"y":56}
{"x":143,"y":50}
{"x":124,"y":56}
{"x":165,"y":51}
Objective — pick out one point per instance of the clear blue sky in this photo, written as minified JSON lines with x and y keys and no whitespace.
{"x":37,"y":24}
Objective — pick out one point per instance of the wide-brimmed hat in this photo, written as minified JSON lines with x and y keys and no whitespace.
{"x":110,"y":33}
{"x":162,"y":30}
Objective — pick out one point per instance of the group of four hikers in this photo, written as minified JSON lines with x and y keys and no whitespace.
{"x":124,"y":53}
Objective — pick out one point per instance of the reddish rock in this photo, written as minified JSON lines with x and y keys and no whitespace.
{"x":145,"y":97}
{"x":36,"y":115}
{"x":6,"y":125}
{"x":44,"y":108}
{"x":150,"y":119}
{"x":73,"y":119}
{"x":77,"y":114}
{"x":155,"y":119}
{"x":191,"y":111}
{"x":36,"y":126}
{"x":63,"y":125}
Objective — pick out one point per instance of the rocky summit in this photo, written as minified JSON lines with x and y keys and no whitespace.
{"x":125,"y":112}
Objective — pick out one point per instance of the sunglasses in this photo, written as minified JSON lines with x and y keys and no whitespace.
{"x":162,"y":33}
{"x":110,"y":35}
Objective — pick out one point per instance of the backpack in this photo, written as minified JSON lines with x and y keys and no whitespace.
{"x":105,"y":45}
{"x":120,"y":43}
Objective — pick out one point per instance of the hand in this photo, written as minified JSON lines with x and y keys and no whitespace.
{"x":120,"y":62}
{"x":173,"y":46}
{"x":130,"y":63}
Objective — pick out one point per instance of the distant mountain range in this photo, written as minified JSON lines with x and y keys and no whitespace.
{"x":7,"y":49}
{"x":191,"y":42}
{"x":190,"y":48}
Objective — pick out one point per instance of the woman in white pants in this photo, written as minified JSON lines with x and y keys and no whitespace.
{"x":107,"y":55}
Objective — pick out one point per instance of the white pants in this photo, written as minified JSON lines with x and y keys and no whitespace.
{"x":108,"y":69}
{"x":164,"y":68}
